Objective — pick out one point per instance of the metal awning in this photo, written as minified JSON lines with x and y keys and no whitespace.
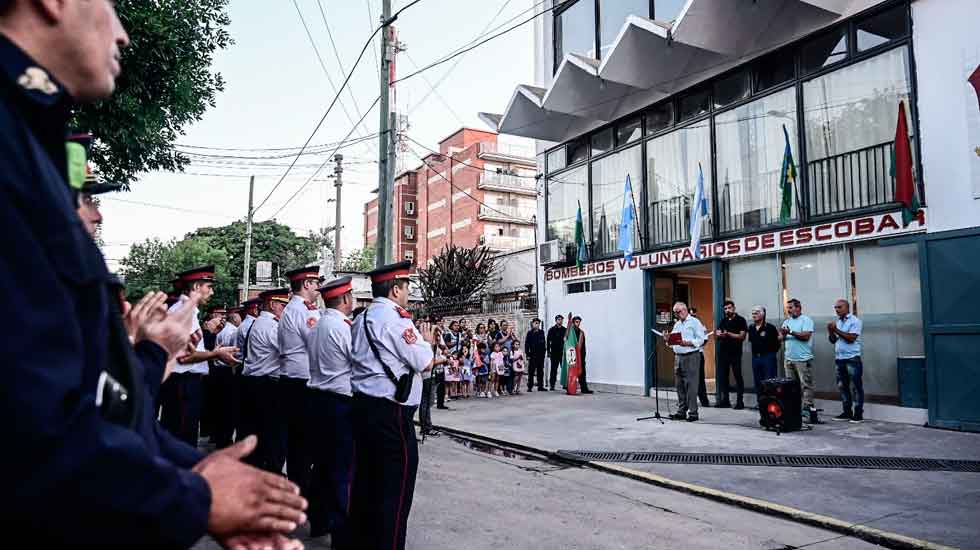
{"x":650,"y":60}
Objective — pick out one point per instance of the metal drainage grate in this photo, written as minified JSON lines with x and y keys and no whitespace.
{"x":791,"y":461}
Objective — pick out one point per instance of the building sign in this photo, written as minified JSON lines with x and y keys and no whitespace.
{"x":857,"y":229}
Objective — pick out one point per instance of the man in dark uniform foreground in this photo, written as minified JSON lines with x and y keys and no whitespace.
{"x":83,"y":472}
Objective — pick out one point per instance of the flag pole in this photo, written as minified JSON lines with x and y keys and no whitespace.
{"x":636,"y":219}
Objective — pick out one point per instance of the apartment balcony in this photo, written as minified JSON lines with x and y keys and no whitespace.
{"x":507,"y":152}
{"x":503,"y":242}
{"x":506,"y":183}
{"x":506,"y":214}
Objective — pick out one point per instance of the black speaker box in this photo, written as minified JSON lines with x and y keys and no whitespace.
{"x":780,"y":405}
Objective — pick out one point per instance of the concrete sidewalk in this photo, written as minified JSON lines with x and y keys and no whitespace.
{"x":940,"y":507}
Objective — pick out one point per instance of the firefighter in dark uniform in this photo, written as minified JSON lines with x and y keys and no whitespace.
{"x":388,"y":354}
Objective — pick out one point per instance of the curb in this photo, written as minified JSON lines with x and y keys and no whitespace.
{"x":856,"y":530}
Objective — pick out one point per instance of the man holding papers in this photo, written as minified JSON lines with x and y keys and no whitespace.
{"x":686,"y":339}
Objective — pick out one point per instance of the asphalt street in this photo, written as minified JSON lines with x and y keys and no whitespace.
{"x":469,"y":498}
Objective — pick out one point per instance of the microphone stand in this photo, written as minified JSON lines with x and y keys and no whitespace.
{"x":656,"y":390}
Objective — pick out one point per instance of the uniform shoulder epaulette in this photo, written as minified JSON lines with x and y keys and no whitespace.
{"x":405,"y":314}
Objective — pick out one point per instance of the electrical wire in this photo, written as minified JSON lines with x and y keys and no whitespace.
{"x":367,"y":43}
{"x":168,"y":207}
{"x":323,"y":65}
{"x":262,"y":149}
{"x":336,"y":54}
{"x":471,"y":47}
{"x":298,"y":191}
{"x":432,"y":90}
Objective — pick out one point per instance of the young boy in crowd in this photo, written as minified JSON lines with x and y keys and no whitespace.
{"x":482,"y":370}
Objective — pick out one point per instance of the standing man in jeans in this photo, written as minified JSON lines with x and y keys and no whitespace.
{"x":556,"y":343}
{"x":845,"y":334}
{"x":797,"y":332}
{"x":535,"y":348}
{"x":687,"y":362}
{"x":731,"y":333}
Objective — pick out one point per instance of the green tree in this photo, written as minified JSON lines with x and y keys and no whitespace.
{"x":151,"y":265}
{"x":359,"y":260}
{"x":166,"y":83}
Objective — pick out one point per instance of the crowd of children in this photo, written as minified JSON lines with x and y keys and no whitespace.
{"x":486,"y":362}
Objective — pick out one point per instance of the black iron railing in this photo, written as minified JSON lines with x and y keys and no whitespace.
{"x":852,"y":180}
{"x":670,"y":220}
{"x":749,"y":204}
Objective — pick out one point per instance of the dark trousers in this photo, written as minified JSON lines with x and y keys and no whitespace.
{"x":536,"y":370}
{"x":332,"y":445}
{"x":387,"y":460}
{"x":555,"y":364}
{"x":207,"y":404}
{"x":260,"y":417}
{"x":583,"y":383}
{"x":703,"y":388}
{"x":730,"y":363}
{"x":763,"y":368}
{"x":223,"y":399}
{"x":181,"y":399}
{"x":294,"y":447}
{"x":440,"y":383}
{"x":425,"y":407}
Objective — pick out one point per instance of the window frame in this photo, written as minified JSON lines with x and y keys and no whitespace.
{"x":596,"y":37}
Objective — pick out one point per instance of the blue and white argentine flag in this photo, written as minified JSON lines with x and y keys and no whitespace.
{"x":699,"y":213}
{"x":626,"y":226}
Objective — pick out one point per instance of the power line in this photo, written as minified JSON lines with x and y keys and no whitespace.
{"x":377,"y":62}
{"x":213,"y":148}
{"x":474,"y":46}
{"x":319,"y":150}
{"x":322,"y":64}
{"x":466,"y":164}
{"x":336,"y":97}
{"x":298,"y":191}
{"x":432,"y":90}
{"x":336,"y":54}
{"x":456,"y":64}
{"x":168,"y":207}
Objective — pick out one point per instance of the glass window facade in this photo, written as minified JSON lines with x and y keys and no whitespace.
{"x":612,"y":16}
{"x":630,"y":130}
{"x":602,"y":141}
{"x":850,"y":118}
{"x":565,"y":192}
{"x":881,"y":28}
{"x":576,"y":31}
{"x":731,"y":88}
{"x":672,"y":173}
{"x":750,"y":150}
{"x":824,"y":50}
{"x":883,"y":292}
{"x":667,"y":10}
{"x":608,"y":182}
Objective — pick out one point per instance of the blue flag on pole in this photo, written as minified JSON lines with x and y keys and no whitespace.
{"x":629,"y":218}
{"x":699,"y":213}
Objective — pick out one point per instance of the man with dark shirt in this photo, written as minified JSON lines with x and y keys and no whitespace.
{"x":731,"y":333}
{"x":556,"y":343}
{"x":535,"y":348}
{"x":764,"y":339}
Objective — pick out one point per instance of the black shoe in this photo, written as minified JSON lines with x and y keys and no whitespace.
{"x":530,"y":389}
{"x":444,"y":408}
{"x":692,"y":418}
{"x":814,"y":419}
{"x":858,"y":417}
{"x":844,"y":416}
{"x":739,"y":406}
{"x":542,"y":388}
{"x":677,"y":416}
{"x":723,"y":405}
{"x":587,"y":391}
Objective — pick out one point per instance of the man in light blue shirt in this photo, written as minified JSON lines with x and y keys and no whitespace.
{"x":797,"y":333}
{"x":845,"y":334}
{"x":687,"y":362}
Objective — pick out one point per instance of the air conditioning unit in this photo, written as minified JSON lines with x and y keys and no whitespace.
{"x":409,"y":208}
{"x":551,"y":252}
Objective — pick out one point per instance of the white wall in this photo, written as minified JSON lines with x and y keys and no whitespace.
{"x":613,"y":325}
{"x":947,"y":50}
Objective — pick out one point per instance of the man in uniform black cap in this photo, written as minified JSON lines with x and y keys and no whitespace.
{"x":78,"y":473}
{"x":388,"y":354}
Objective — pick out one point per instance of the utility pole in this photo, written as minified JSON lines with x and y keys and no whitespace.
{"x":387,"y":129}
{"x":337,"y":171}
{"x":248,"y":239}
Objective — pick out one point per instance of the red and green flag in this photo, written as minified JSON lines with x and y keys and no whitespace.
{"x":902,"y":170}
{"x":571,"y":366}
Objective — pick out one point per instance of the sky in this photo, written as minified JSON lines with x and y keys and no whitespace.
{"x":276,"y":92}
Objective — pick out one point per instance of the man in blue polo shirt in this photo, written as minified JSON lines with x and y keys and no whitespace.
{"x":845,"y":334}
{"x":797,"y":332}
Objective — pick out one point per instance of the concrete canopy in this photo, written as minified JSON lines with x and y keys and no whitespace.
{"x":650,"y":60}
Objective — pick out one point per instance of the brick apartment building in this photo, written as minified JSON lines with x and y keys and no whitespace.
{"x":439,"y":202}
